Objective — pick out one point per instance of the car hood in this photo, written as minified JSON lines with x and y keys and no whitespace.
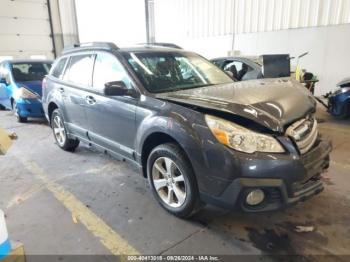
{"x":273,"y":103}
{"x":34,"y":86}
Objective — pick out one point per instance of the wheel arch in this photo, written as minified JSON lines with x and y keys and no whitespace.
{"x":152,"y":141}
{"x":51,"y":107}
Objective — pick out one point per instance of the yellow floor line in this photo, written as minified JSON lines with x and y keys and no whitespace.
{"x":108,"y":237}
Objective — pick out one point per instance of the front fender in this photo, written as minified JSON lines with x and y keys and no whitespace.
{"x":175,"y":125}
{"x":188,"y":128}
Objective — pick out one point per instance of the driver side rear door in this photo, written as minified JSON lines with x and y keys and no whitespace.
{"x":111,"y":118}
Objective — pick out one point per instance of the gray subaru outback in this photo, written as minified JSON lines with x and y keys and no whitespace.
{"x":195,"y":134}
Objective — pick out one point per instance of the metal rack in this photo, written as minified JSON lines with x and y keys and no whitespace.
{"x":89,"y":46}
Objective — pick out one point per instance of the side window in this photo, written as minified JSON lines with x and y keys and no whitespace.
{"x":58,"y":69}
{"x":237,"y":64}
{"x":226,"y":64}
{"x":80,"y":70}
{"x":108,"y":69}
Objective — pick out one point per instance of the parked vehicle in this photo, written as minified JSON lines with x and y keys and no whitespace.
{"x":20,"y":87}
{"x":339,"y":100}
{"x":241,"y":68}
{"x":251,"y":67}
{"x":196,"y":135}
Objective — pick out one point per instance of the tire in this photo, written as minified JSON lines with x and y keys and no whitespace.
{"x":19,"y":118}
{"x":168,"y":165}
{"x":60,"y":133}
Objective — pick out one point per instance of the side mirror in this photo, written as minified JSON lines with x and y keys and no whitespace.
{"x":116,"y":88}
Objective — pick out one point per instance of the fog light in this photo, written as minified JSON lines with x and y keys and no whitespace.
{"x":255,"y":197}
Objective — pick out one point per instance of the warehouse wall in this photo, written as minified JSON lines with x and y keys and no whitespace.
{"x":253,"y":27}
{"x":328,"y":49}
{"x":64,"y":24}
{"x":121,"y":22}
{"x":208,"y":18}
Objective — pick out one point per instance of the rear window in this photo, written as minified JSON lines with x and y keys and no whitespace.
{"x":59,"y":67}
{"x":34,"y":71}
{"x":80,"y":70}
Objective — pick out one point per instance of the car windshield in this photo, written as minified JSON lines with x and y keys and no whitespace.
{"x":33,"y":71}
{"x":171,"y":71}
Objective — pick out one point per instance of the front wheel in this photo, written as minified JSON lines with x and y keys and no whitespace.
{"x":60,"y":133}
{"x":172,"y":180}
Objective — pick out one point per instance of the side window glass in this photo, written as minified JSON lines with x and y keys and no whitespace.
{"x":80,"y":70}
{"x":108,"y":69}
{"x":237,"y":64}
{"x":58,"y":69}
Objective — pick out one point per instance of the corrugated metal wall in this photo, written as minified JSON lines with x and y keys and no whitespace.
{"x":206,"y":18}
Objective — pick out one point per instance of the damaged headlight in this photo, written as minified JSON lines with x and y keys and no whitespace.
{"x":240,"y":138}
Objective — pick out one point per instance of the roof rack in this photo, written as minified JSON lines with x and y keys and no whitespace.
{"x":162,"y":44}
{"x":90,"y":45}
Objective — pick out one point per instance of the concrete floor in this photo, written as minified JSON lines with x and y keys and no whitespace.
{"x":88,"y":203}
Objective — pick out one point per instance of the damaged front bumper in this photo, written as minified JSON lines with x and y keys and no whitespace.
{"x":280,"y":192}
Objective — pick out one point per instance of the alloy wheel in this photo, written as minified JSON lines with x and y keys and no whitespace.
{"x":169,"y":182}
{"x":59,"y":131}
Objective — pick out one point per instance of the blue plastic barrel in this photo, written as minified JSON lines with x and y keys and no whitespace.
{"x":5,"y":245}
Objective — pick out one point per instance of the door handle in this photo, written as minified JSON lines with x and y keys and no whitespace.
{"x":90,"y":100}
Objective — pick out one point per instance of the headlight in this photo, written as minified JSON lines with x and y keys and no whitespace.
{"x":344,"y":89}
{"x":240,"y":138}
{"x":25,"y":93}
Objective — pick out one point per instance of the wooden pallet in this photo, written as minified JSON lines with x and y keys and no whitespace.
{"x":5,"y":141}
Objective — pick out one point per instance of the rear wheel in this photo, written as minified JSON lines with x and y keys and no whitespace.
{"x":60,"y":133}
{"x":172,"y":180}
{"x":20,"y":119}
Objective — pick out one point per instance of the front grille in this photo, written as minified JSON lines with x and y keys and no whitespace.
{"x":304,"y":133}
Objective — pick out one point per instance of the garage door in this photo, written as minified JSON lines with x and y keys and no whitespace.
{"x":25,"y":29}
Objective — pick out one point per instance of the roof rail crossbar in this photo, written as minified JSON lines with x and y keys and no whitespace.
{"x":91,"y":45}
{"x":162,"y":44}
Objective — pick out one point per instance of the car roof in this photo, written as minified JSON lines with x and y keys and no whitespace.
{"x":150,"y":48}
{"x":19,"y":61}
{"x":252,"y":58}
{"x":105,"y":46}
